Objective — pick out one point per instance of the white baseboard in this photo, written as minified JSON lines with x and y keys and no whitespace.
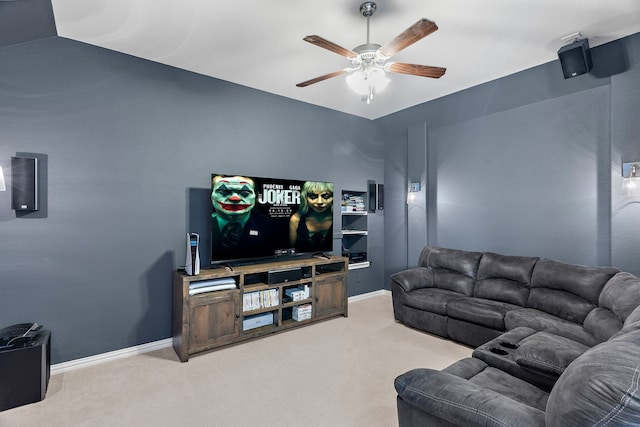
{"x":369,"y":295}
{"x":107,"y":357}
{"x":156,"y":345}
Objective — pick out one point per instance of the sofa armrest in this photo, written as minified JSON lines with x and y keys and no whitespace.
{"x":462,"y":402}
{"x":414,"y":278}
{"x":548,"y":353}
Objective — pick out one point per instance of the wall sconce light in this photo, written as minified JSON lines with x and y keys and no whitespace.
{"x":631,"y":178}
{"x":3,"y":186}
{"x":414,"y":187}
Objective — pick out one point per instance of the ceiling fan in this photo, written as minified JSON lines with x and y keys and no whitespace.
{"x":369,"y":61}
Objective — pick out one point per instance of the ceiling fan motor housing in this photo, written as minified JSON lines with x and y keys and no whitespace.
{"x":367,"y":8}
{"x":367,"y":53}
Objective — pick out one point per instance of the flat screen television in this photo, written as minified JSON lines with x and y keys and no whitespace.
{"x":261,"y":218}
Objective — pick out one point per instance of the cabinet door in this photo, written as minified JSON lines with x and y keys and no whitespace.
{"x":214,"y":319}
{"x":330,"y":297}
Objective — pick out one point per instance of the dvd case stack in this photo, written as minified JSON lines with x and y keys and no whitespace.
{"x":260,"y":299}
{"x":302,"y":312}
{"x":352,"y":203}
{"x":298,"y":293}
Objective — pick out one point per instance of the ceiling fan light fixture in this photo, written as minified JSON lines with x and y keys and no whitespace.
{"x":365,"y":81}
{"x":378,"y":79}
{"x":369,"y":65}
{"x":358,"y":82}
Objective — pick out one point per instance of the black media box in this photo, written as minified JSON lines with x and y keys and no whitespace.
{"x":25,"y":371}
{"x":329,"y":268}
{"x":280,"y":276}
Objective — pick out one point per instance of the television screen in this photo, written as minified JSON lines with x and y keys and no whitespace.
{"x":256,"y":217}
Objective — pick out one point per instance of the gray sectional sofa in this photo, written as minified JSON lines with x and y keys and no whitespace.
{"x":557,"y":344}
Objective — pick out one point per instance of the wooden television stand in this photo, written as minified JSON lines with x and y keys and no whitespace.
{"x":267,"y":298}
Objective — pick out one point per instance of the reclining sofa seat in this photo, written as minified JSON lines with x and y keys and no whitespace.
{"x":576,"y":364}
{"x":601,"y":387}
{"x":473,"y":297}
{"x":540,"y":357}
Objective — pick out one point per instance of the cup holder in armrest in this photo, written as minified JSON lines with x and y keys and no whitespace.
{"x":507,"y":344}
{"x":499,"y":351}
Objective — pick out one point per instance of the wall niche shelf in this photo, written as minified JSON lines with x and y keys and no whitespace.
{"x":354,"y":230}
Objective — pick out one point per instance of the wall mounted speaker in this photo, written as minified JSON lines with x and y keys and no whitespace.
{"x":24,"y":183}
{"x":373,"y":203}
{"x":575,"y":58}
{"x":381,"y":196}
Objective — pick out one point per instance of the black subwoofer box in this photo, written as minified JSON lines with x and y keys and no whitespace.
{"x":25,"y":371}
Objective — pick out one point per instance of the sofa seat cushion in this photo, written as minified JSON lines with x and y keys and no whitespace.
{"x":480,"y":311}
{"x":490,"y":378}
{"x":548,"y":353}
{"x":512,"y":387}
{"x":541,"y":321}
{"x":433,"y":300}
{"x":460,"y":401}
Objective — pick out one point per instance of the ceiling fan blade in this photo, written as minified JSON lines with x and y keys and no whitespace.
{"x":321,"y":78}
{"x":417,"y":70}
{"x":326,"y":44}
{"x":416,"y":32}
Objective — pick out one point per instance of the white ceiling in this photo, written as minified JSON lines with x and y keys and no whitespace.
{"x":258,"y":43}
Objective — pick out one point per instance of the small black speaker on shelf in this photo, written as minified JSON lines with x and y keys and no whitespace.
{"x":575,"y":58}
{"x":373,"y":203}
{"x":24,"y":183}
{"x":381,"y":196}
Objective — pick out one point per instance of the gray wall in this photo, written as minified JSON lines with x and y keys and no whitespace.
{"x":529,"y":164}
{"x":128,"y":147}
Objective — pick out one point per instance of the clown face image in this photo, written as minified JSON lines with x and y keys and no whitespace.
{"x":233,"y":197}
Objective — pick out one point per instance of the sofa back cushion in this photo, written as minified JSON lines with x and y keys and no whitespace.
{"x":601,"y":387}
{"x":633,"y":318}
{"x":568,"y":291}
{"x":504,"y":278}
{"x":619,"y":297}
{"x":453,"y":269}
{"x":602,"y":324}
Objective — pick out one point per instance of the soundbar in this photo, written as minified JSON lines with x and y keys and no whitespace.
{"x":280,"y":276}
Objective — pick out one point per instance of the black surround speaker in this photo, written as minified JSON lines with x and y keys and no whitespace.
{"x":24,"y":183}
{"x":372,"y":196}
{"x":575,"y":58}
{"x":381,"y":196}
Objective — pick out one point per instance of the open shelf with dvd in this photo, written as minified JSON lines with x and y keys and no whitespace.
{"x":354,"y":229}
{"x":224,"y":306}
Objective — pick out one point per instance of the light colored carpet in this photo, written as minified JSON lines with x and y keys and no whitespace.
{"x":335,"y":373}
